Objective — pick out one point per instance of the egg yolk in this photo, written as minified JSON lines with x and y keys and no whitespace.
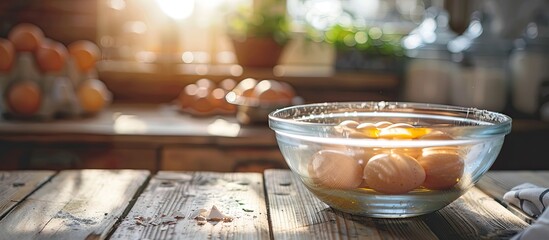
{"x":368,"y":130}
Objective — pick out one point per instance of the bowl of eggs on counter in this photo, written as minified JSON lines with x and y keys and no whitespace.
{"x":41,"y":78}
{"x":255,"y":99}
{"x":388,"y":159}
{"x":204,"y":97}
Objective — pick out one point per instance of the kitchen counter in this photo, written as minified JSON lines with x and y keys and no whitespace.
{"x":141,"y":136}
{"x":157,"y":136}
{"x":135,"y":204}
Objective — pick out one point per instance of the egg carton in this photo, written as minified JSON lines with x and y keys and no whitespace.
{"x":57,"y":90}
{"x":41,"y":78}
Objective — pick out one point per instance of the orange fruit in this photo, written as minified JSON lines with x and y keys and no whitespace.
{"x":7,"y":54}
{"x":51,"y":56}
{"x":85,"y":53}
{"x":26,"y":37}
{"x":24,"y":98}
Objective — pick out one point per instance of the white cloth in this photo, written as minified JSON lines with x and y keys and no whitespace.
{"x":530,"y":198}
{"x":538,"y":230}
{"x":533,"y":200}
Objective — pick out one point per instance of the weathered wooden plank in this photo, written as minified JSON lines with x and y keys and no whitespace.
{"x":75,"y":204}
{"x":497,"y":183}
{"x":474,"y":215}
{"x":297,"y":214}
{"x":16,"y":185}
{"x":179,"y":196}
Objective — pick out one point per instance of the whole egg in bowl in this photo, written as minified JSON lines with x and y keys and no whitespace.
{"x":388,"y":159}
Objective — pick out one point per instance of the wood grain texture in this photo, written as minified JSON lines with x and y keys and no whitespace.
{"x":497,"y":183}
{"x":17,"y":185}
{"x":474,"y":215}
{"x":168,"y":207}
{"x":75,"y":204}
{"x":296,"y":214}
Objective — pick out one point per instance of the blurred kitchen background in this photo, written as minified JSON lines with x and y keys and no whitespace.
{"x":488,"y":54}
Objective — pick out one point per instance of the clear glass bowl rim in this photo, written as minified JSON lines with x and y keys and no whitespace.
{"x":494,"y":123}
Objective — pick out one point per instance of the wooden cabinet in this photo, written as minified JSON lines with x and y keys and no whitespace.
{"x":201,"y":157}
{"x":238,"y":159}
{"x":76,"y":156}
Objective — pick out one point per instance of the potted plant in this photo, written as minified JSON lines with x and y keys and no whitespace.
{"x":259,"y":33}
{"x":364,"y":48}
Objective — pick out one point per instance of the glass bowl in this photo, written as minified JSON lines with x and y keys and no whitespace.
{"x":388,"y":159}
{"x":251,"y":110}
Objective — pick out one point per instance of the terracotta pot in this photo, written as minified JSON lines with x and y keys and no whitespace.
{"x":257,"y":52}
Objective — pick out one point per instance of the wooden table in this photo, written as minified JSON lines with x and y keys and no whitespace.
{"x":134,"y":204}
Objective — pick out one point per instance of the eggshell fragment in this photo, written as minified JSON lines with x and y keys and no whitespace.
{"x":334,"y":169}
{"x":443,"y":167}
{"x":393,"y":173}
